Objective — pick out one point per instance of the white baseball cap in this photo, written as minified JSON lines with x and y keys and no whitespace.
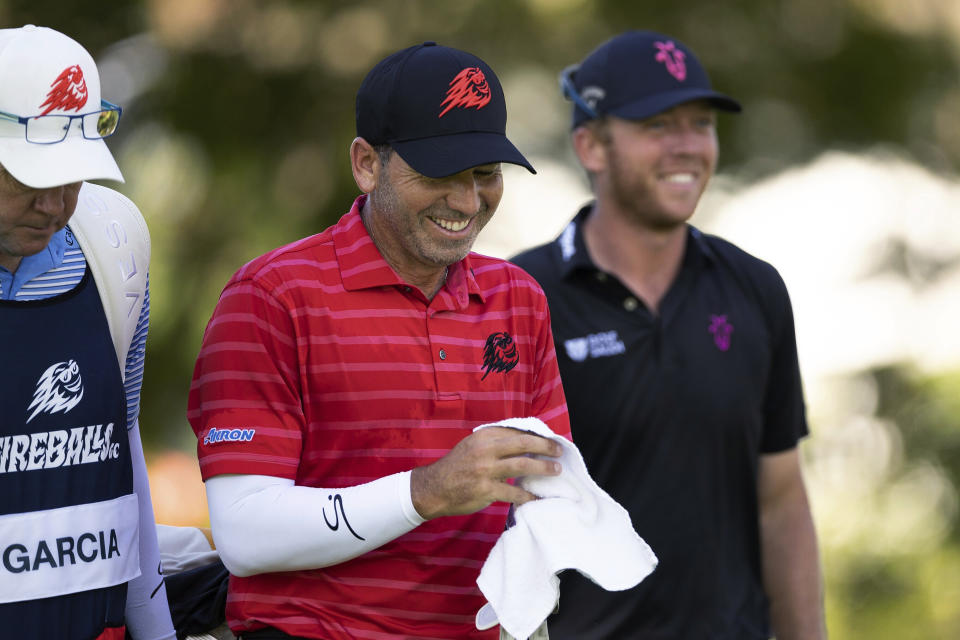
{"x":43,"y":72}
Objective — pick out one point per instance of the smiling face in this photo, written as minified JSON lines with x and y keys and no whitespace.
{"x":656,"y":169}
{"x":29,"y":217}
{"x":421,"y":225}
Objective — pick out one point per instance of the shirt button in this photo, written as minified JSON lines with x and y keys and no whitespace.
{"x":601,"y":276}
{"x":631,"y":304}
{"x":443,"y":354}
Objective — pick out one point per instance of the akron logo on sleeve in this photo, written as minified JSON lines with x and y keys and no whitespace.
{"x":215,"y":435}
{"x":60,"y":388}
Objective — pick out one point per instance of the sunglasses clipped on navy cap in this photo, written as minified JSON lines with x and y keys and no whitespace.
{"x":440,"y":108}
{"x":636,"y":75}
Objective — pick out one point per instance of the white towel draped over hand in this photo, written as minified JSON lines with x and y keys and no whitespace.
{"x":574,"y":525}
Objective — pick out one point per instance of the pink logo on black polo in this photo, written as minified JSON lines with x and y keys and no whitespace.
{"x":721,"y":330}
{"x":672,"y":58}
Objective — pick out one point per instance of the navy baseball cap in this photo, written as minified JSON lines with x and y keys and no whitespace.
{"x":440,"y":108}
{"x":638,"y":74}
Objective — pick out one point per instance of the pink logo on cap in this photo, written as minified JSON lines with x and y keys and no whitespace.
{"x":68,"y":92}
{"x":468,"y":89}
{"x":673,"y":58}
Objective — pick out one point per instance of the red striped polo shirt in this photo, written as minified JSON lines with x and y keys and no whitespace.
{"x":346,"y":374}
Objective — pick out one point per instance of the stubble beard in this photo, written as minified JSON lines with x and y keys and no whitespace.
{"x":412,"y":233}
{"x":641,"y":203}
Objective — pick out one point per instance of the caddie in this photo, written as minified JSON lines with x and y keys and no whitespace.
{"x":78,"y":544}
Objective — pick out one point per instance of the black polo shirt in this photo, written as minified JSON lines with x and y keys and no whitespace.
{"x":671,"y":412}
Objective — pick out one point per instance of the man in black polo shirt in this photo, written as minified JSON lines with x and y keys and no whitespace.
{"x":679,"y":362}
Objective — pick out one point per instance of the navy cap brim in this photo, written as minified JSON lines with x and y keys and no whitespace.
{"x":653,"y":105}
{"x":442,"y":156}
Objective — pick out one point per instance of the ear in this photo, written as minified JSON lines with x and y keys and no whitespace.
{"x":590,"y":150}
{"x":365,"y":162}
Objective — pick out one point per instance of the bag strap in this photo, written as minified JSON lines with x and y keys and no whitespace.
{"x":116,"y":244}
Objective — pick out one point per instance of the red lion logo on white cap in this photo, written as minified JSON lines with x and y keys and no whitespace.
{"x":68,"y":92}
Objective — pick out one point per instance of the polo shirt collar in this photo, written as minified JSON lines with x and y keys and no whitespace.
{"x":698,"y":248}
{"x":363,"y":267}
{"x":37,"y":264}
{"x":573,"y":255}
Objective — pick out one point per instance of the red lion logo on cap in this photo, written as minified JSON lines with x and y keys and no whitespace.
{"x":69,"y":91}
{"x":468,"y":89}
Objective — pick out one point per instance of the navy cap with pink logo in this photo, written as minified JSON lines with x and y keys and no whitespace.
{"x":638,"y":74}
{"x":441,"y":109}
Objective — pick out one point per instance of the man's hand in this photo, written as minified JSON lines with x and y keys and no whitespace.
{"x":474,"y":473}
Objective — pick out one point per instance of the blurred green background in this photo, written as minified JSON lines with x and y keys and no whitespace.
{"x":842,"y":172}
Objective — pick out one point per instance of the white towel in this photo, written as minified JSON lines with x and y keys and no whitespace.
{"x":574,"y":525}
{"x":183,"y":548}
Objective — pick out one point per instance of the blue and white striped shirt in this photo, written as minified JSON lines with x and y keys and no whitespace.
{"x":58,"y":269}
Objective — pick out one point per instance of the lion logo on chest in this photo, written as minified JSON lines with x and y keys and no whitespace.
{"x":60,"y":388}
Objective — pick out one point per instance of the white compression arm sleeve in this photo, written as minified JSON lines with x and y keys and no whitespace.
{"x":264,"y":524}
{"x":147,"y":611}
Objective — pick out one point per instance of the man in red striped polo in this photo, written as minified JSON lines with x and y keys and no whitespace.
{"x":341,"y":377}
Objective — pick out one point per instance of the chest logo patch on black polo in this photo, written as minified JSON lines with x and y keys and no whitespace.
{"x":721,"y":331}
{"x":499,"y":354}
{"x":595,"y":345}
